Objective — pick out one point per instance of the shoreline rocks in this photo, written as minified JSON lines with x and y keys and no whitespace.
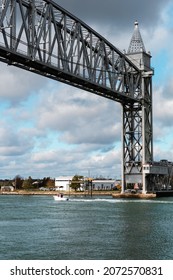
{"x":136,"y":195}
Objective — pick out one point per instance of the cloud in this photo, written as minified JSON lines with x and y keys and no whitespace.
{"x":117,"y":14}
{"x":79,"y":117}
{"x":162,"y":109}
{"x":11,"y":142}
{"x":17,"y":84}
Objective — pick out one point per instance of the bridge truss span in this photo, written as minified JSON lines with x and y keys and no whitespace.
{"x":42,"y":37}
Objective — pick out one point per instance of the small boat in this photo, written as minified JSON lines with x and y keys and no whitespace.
{"x":60,"y":197}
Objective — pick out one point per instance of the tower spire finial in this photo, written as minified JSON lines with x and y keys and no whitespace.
{"x":136,"y":43}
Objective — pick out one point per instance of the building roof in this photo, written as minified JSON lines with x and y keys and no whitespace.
{"x":136,"y":43}
{"x":64,"y":178}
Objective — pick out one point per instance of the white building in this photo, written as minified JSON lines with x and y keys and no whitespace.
{"x":63,"y":182}
{"x":7,"y":189}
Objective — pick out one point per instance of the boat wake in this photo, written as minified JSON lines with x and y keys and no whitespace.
{"x":112,"y":200}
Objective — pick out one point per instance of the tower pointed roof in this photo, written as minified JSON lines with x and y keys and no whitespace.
{"x":136,"y":43}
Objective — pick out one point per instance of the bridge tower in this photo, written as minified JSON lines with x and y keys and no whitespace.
{"x":137,"y":131}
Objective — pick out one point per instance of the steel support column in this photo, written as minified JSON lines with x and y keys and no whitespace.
{"x":147,"y":125}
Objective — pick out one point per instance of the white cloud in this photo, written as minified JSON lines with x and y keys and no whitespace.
{"x":17,"y":84}
{"x":80,"y":117}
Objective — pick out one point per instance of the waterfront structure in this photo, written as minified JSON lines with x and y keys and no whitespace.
{"x":63,"y":183}
{"x":100,"y":185}
{"x":42,"y":37}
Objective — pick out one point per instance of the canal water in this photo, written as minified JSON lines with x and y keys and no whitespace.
{"x":99,"y":228}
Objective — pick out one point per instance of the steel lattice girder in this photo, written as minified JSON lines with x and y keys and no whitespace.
{"x":42,"y":37}
{"x":137,"y":131}
{"x":147,"y":128}
{"x":132,"y":136}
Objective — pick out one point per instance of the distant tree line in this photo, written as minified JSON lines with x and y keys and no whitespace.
{"x":28,"y":183}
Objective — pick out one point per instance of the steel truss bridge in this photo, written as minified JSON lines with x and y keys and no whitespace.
{"x":42,"y":37}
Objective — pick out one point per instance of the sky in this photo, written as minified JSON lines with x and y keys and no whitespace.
{"x":49,"y":129}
